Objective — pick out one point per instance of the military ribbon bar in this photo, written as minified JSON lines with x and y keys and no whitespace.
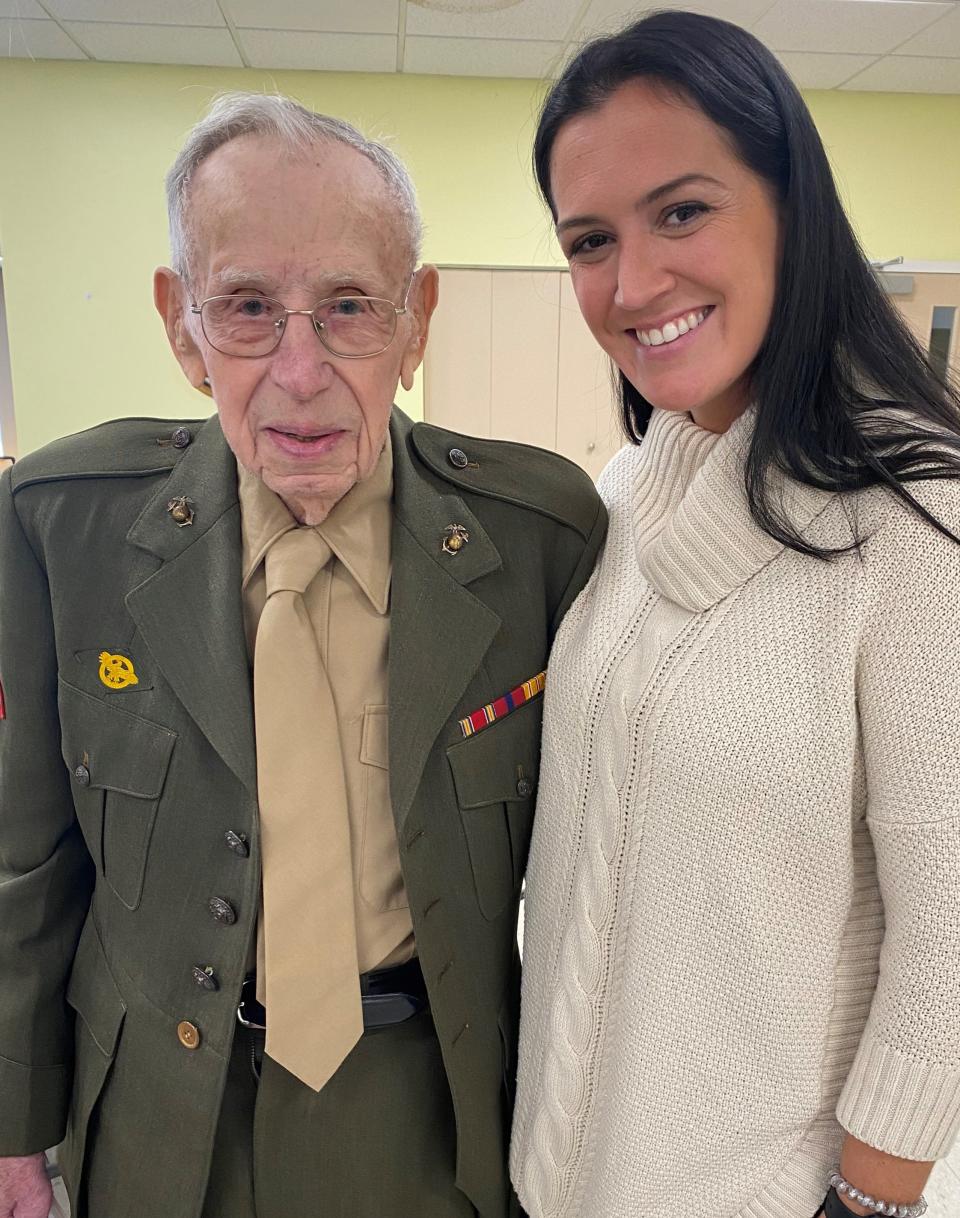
{"x":503,"y":706}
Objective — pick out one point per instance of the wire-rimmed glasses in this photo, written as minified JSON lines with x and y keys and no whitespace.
{"x":353,"y":327}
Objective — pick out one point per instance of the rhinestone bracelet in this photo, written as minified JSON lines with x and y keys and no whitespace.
{"x":846,"y":1189}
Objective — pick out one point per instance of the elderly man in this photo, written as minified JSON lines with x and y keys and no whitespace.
{"x":271,"y":731}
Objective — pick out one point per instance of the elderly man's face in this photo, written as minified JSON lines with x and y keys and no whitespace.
{"x":298,"y":229}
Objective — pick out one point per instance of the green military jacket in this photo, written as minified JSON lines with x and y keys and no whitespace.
{"x":126,"y":808}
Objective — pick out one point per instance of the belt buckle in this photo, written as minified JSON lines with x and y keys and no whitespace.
{"x":249,"y":1010}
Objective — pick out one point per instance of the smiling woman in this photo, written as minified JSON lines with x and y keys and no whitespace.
{"x":749,"y":776}
{"x":673,"y":248}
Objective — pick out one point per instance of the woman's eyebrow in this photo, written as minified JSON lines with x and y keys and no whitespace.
{"x":657,"y":193}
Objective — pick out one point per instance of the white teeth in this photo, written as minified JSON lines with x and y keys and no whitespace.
{"x":671,"y":331}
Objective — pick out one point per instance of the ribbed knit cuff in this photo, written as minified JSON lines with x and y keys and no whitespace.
{"x":906,"y":1108}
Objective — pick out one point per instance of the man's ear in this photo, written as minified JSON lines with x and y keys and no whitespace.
{"x":170,"y":297}
{"x":423,"y":295}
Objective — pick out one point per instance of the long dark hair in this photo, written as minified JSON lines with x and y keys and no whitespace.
{"x":846,"y":398}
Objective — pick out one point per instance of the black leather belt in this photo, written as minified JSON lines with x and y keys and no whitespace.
{"x":387,"y":996}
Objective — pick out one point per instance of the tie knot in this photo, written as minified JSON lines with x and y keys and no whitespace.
{"x":294,"y":560}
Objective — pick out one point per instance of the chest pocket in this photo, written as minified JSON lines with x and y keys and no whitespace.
{"x":118,"y":764}
{"x":495,"y":774}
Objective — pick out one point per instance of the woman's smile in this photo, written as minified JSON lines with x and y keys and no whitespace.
{"x":669,"y":334}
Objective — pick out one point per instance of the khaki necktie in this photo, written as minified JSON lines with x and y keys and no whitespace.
{"x":309,"y":981}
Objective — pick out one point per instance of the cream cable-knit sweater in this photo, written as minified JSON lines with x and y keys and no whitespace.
{"x":751,"y":764}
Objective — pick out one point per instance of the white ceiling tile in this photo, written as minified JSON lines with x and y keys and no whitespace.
{"x":605,"y":16}
{"x":21,"y":8}
{"x":536,"y":20}
{"x":483,"y":57}
{"x":36,"y":40}
{"x":117,"y":43}
{"x":320,"y":52}
{"x":941,"y":38}
{"x":864,"y":27}
{"x":139,"y":12}
{"x":909,"y":74}
{"x":332,"y":16}
{"x":812,"y":71}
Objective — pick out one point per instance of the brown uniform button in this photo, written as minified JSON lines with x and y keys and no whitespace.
{"x":188,"y":1034}
{"x":524,"y":788}
{"x":182,"y":437}
{"x":222,"y":911}
{"x":237,"y":843}
{"x":82,"y":776}
{"x":457,"y":458}
{"x":204,"y":977}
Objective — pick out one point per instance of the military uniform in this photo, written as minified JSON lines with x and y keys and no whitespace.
{"x":129,"y":853}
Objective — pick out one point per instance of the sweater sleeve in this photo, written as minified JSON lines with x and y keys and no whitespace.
{"x":902,"y":1094}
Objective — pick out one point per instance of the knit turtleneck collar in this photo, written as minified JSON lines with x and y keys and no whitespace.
{"x":695,"y":538}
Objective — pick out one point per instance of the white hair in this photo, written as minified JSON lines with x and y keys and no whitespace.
{"x":298,"y":129}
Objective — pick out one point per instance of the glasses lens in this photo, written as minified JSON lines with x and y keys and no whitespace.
{"x":242,"y":325}
{"x":356,"y":325}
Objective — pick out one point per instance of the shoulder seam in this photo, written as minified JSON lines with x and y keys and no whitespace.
{"x":456,"y":477}
{"x":23,"y":532}
{"x":87,"y":476}
{"x":530,"y":507}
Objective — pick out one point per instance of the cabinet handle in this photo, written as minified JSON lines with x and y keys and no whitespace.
{"x":591,"y":446}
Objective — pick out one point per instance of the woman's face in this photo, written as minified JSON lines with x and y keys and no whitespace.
{"x":673,"y":245}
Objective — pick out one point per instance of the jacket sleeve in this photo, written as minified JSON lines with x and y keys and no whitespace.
{"x":902,"y":1094}
{"x":45,"y":871}
{"x":584,"y":568}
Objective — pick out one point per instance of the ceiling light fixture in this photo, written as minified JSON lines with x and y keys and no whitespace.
{"x":465,"y":6}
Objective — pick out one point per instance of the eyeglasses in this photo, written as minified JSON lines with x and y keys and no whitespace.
{"x":353,"y":327}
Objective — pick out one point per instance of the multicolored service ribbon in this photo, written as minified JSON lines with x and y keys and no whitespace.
{"x":503,"y":706}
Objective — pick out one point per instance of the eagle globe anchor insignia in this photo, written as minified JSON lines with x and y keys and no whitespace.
{"x":455,"y":537}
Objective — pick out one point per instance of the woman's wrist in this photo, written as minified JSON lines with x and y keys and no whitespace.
{"x":879,"y":1176}
{"x":844,"y":1198}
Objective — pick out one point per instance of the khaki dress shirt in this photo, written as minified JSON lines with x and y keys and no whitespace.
{"x":349,"y":607}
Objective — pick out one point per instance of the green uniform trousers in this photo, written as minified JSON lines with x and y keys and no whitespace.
{"x":379,"y":1141}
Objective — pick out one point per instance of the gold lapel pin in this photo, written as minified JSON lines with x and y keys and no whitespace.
{"x":455,"y":537}
{"x":181,"y":510}
{"x":117,"y":671}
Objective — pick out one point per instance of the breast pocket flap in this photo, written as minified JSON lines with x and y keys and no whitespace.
{"x":120,"y":751}
{"x":501,"y":763}
{"x":374,"y":744}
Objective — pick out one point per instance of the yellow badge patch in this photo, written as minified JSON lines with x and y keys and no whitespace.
{"x":116,"y":672}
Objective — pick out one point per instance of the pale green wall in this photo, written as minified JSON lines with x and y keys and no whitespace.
{"x":83,"y":150}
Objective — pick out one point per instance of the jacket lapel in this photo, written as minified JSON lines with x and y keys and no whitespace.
{"x":189,"y":611}
{"x":439,"y":630}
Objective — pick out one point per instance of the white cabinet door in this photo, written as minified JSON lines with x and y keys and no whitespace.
{"x":588,"y":423}
{"x":510,"y":357}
